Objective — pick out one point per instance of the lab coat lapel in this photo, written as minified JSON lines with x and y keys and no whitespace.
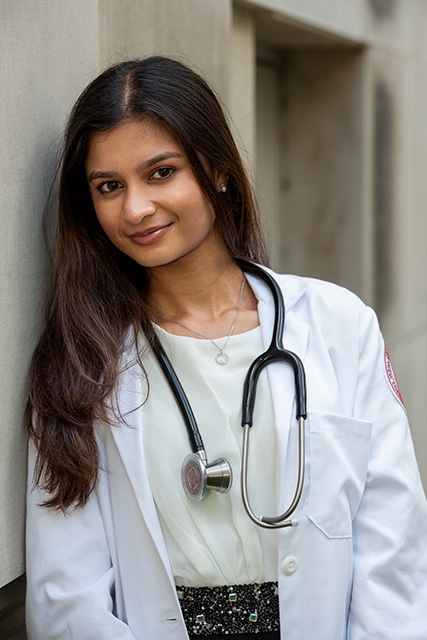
{"x":281,"y":377}
{"x":129,"y":442}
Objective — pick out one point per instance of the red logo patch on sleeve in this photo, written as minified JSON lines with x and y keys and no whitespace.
{"x":391,"y":377}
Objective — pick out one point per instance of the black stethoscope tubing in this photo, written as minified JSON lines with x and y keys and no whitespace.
{"x":182,"y":401}
{"x":275,"y":353}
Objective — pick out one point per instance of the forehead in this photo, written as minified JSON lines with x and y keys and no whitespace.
{"x":131,"y":138}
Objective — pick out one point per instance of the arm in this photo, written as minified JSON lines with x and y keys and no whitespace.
{"x":70,"y":579}
{"x":389,"y":599}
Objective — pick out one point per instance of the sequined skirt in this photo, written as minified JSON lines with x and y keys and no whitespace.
{"x":270,"y":635}
{"x":237,"y":609}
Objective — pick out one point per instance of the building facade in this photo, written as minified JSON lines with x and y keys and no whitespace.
{"x":328,"y":100}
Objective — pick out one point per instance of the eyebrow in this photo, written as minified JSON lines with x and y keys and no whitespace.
{"x":95,"y":175}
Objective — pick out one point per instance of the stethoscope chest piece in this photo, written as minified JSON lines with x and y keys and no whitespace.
{"x":197,"y":476}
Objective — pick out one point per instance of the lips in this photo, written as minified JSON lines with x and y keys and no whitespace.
{"x":151,"y":235}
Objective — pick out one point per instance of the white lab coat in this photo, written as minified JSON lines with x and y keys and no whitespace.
{"x":355,"y":567}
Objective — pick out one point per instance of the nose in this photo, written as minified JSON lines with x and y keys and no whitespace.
{"x":138,"y":204}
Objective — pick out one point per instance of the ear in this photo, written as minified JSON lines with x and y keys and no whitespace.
{"x":220,"y":181}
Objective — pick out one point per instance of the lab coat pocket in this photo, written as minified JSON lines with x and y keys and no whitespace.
{"x":339,"y":454}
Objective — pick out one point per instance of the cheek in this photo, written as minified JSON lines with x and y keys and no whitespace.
{"x":209,"y":216}
{"x":110,"y":229}
{"x":106,"y":219}
{"x":202,"y":211}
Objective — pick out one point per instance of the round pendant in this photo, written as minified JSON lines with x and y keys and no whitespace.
{"x":221,"y":358}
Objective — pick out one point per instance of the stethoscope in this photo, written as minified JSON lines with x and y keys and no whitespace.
{"x":197,"y":475}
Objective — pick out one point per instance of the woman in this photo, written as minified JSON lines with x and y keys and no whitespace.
{"x":155,"y":215}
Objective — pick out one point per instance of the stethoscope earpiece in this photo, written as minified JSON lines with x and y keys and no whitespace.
{"x":197,"y":476}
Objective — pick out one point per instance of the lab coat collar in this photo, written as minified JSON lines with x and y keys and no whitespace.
{"x":293,"y":287}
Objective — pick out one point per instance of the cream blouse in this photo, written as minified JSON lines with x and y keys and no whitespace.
{"x":212,"y":542}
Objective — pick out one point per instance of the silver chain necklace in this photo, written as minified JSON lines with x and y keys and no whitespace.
{"x":221,"y":357}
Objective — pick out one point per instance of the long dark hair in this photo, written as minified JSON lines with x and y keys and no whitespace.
{"x":97,"y":293}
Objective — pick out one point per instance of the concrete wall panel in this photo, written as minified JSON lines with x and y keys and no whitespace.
{"x":242,"y":86}
{"x":346,"y":18}
{"x":44,"y":65}
{"x":270,"y":161}
{"x":397,"y":25}
{"x":196,"y":31}
{"x":400,"y":88}
{"x":401,"y":276}
{"x":409,"y":363}
{"x":323,"y":140}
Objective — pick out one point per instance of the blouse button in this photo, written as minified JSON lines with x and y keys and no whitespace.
{"x":289,"y":565}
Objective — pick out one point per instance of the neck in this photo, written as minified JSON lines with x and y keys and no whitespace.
{"x":203,"y":295}
{"x":202,"y":290}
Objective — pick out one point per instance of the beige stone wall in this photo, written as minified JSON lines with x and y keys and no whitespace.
{"x":398,"y":77}
{"x":44,"y":65}
{"x":195,"y":31}
{"x":341,"y":19}
{"x":242,"y":93}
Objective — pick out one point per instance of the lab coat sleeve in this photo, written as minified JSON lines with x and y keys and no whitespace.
{"x":70,"y":578}
{"x":389,"y":597}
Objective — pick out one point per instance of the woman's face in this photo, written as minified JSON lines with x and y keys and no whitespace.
{"x":146,"y":196}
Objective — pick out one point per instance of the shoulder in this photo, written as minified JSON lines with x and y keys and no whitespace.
{"x":316,"y":302}
{"x":336,"y":318}
{"x":309,"y":297}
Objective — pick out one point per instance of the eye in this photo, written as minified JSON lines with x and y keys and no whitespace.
{"x":162,"y":173}
{"x":108,"y":187}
